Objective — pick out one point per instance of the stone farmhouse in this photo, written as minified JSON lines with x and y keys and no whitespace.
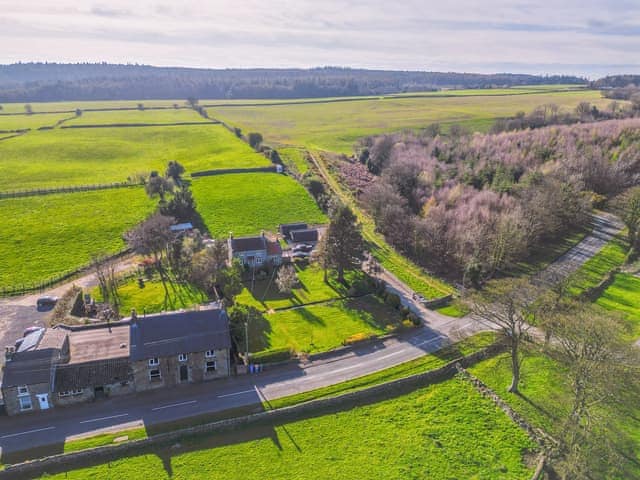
{"x":255,"y":252}
{"x":66,"y":365}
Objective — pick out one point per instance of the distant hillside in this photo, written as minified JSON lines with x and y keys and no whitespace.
{"x":34,"y":82}
{"x":617,"y":81}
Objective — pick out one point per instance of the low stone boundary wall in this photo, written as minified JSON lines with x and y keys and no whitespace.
{"x":121,"y":125}
{"x":221,"y":171}
{"x":67,"y":461}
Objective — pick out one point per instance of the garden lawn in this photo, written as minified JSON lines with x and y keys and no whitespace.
{"x":87,"y":156}
{"x":46,"y":236}
{"x":623,"y":295}
{"x":311,"y":288}
{"x":444,"y":431}
{"x":545,"y":400}
{"x":123,"y":117}
{"x":247,"y":203}
{"x":23,"y":122}
{"x":317,"y":328}
{"x":150,"y":298}
{"x":335,"y":125}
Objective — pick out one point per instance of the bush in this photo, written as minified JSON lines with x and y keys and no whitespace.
{"x":405,"y":311}
{"x":357,"y":338}
{"x":415,"y":319}
{"x":272,"y":356}
{"x":392,"y":300}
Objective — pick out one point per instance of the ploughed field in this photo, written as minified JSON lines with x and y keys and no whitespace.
{"x":443,"y":431}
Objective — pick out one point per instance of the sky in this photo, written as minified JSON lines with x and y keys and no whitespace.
{"x":581,"y":37}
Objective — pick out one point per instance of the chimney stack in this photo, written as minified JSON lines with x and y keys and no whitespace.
{"x":8,"y":352}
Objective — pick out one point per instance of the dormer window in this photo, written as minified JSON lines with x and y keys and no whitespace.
{"x":210,"y":354}
{"x":154,"y":362}
{"x":183,"y":357}
{"x":23,"y":390}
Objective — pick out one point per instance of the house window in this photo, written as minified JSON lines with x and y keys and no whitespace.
{"x":210,"y":354}
{"x":154,"y":361}
{"x":258,"y":260}
{"x":210,"y":366}
{"x":23,"y":390}
{"x":183,"y":357}
{"x":25,"y":403}
{"x":154,"y":375}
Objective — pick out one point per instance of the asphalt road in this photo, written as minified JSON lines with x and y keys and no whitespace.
{"x":53,"y":427}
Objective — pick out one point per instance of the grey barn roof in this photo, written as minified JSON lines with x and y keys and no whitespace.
{"x":92,"y":374}
{"x":286,"y":228}
{"x":247,"y":244}
{"x":306,"y":235}
{"x":34,"y":359}
{"x":179,"y":332}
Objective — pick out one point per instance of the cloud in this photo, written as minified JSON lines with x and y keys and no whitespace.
{"x":573,"y":36}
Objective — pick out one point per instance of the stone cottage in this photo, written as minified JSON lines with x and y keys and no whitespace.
{"x":255,"y":251}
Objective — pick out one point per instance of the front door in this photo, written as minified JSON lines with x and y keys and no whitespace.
{"x":184,"y":373}
{"x":43,"y":400}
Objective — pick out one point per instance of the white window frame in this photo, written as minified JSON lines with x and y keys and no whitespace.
{"x":259,"y":260}
{"x":208,"y":368}
{"x":210,"y":354}
{"x":25,"y":399}
{"x":154,"y":362}
{"x":23,"y":390}
{"x":183,"y":357}
{"x":155,"y":377}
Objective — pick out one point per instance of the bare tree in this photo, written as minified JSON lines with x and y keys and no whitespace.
{"x":152,"y":237}
{"x":286,"y":279}
{"x":510,"y":306}
{"x":158,"y":186}
{"x":602,"y":369}
{"x":207,"y":266}
{"x":106,"y":272}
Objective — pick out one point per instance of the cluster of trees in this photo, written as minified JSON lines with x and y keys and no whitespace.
{"x":472,"y":205}
{"x":86,"y":81}
{"x":551,"y":114}
{"x":601,"y":368}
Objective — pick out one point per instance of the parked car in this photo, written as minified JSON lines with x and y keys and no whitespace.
{"x":303,"y":247}
{"x":300,"y":255}
{"x":47,"y":301}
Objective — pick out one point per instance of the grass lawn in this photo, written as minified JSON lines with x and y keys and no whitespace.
{"x":64,"y":157}
{"x":623,"y":295}
{"x":137,"y":116}
{"x":317,"y":328}
{"x":444,"y":431}
{"x":247,"y":203}
{"x":593,"y":270}
{"x":312,"y":288}
{"x":103,"y":439}
{"x":45,"y":236}
{"x":20,"y":122}
{"x":336,"y":125}
{"x":545,"y":400}
{"x":454,"y":309}
{"x":150,"y":299}
{"x":87,"y":104}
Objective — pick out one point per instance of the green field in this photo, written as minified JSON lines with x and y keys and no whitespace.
{"x":45,"y":236}
{"x":623,"y":295}
{"x":445,"y":431}
{"x":317,"y":328}
{"x":65,"y":157}
{"x":545,"y":401}
{"x":23,"y":122}
{"x":137,"y":116}
{"x":336,"y":125}
{"x":593,"y":271}
{"x":86,"y":104}
{"x":247,"y":203}
{"x":294,"y":159}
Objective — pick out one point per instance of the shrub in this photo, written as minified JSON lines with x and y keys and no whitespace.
{"x":392,"y":300}
{"x":357,"y":338}
{"x":414,"y":319}
{"x":272,"y":356}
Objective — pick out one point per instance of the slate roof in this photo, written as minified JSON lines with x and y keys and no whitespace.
{"x":247,"y":244}
{"x":286,"y":228}
{"x":102,"y":343}
{"x":274,"y":248}
{"x":306,"y":235}
{"x":172,"y":333}
{"x":93,"y":374}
